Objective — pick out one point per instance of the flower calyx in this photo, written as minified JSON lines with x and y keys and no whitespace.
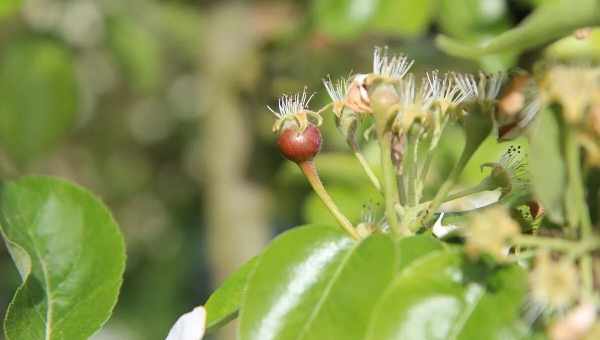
{"x":510,"y":172}
{"x":293,"y":112}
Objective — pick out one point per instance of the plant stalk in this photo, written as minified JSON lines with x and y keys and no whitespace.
{"x":580,"y":210}
{"x":483,"y":186}
{"x":365,"y":165}
{"x":390,"y":185}
{"x":310,"y":171}
{"x":478,"y":125}
{"x":574,"y":248}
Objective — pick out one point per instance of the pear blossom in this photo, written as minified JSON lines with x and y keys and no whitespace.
{"x":189,"y":326}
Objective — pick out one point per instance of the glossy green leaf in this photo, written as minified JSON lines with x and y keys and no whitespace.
{"x":412,"y":248}
{"x":38,"y":97}
{"x":404,"y":18}
{"x":137,"y":51}
{"x":550,"y":21}
{"x":70,"y":254}
{"x":223,"y":305}
{"x":316,"y":283}
{"x":442,"y":296}
{"x":546,"y":153}
{"x":343,"y":19}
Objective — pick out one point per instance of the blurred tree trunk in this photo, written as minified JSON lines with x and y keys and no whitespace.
{"x":236,"y":209}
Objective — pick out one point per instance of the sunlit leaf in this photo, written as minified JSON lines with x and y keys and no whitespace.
{"x":343,"y":19}
{"x":404,"y":18}
{"x":38,"y":97}
{"x":70,"y":254}
{"x":412,"y":248}
{"x":223,"y":305}
{"x":316,"y":283}
{"x":443,"y":296}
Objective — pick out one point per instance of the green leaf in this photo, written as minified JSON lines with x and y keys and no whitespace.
{"x":70,"y":254}
{"x":9,"y":7}
{"x":550,"y":21}
{"x":411,"y":248}
{"x":316,"y":283}
{"x":38,"y":97}
{"x":546,"y":153}
{"x":404,"y":18}
{"x":442,"y":296}
{"x":343,"y":19}
{"x":222,"y":306}
{"x":138,"y":52}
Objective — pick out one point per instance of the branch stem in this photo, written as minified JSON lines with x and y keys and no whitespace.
{"x":574,"y":248}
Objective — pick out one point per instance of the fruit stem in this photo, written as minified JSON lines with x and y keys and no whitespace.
{"x":483,"y":186}
{"x":365,"y":165}
{"x":310,"y":171}
{"x":477,"y":126}
{"x":390,"y":186}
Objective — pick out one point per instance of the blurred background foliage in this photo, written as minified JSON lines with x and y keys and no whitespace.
{"x":158,"y":106}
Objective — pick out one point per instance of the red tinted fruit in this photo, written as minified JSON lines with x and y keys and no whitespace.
{"x":300,"y":146}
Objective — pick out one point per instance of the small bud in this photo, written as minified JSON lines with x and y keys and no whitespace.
{"x":553,"y":283}
{"x":510,"y":172}
{"x":368,"y":224}
{"x":519,"y":103}
{"x":414,"y":104}
{"x":576,"y":324}
{"x":444,"y":92}
{"x":535,"y":209}
{"x":383,"y":99}
{"x":357,"y":98}
{"x":583,"y":33}
{"x":489,"y":232}
{"x":300,"y":146}
{"x":575,"y":88}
